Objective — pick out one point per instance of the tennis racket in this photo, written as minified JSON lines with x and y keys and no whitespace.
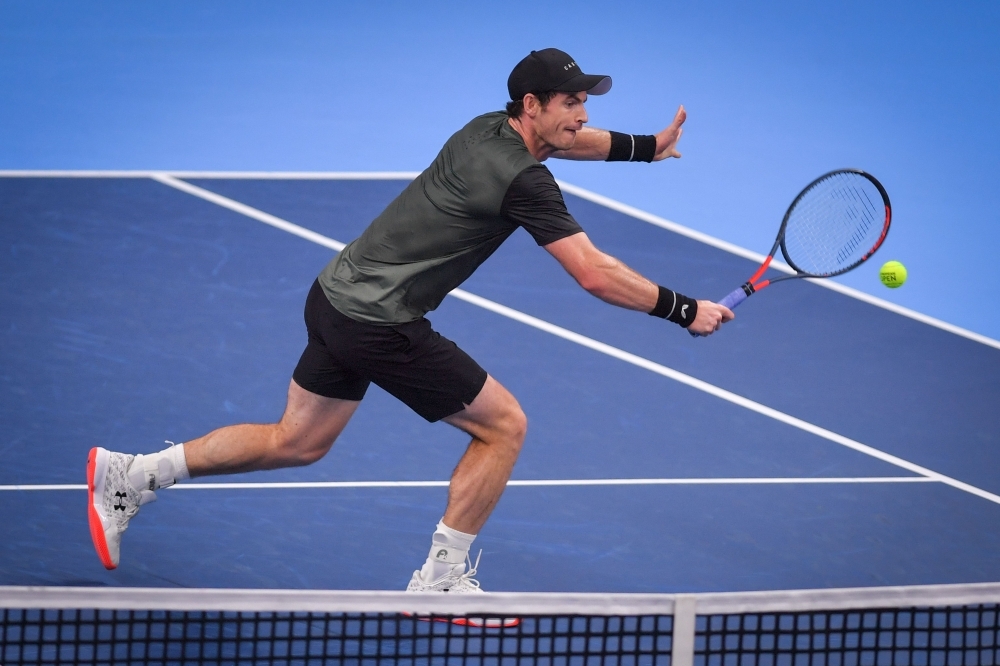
{"x":835,"y":224}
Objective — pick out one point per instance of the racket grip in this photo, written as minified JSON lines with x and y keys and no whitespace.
{"x":734,"y":298}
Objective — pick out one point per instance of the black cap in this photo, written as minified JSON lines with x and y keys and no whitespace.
{"x":552,"y":69}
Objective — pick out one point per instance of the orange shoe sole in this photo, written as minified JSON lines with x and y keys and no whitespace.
{"x":477,"y":622}
{"x":96,"y":527}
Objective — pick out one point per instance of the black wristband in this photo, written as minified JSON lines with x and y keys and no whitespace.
{"x":622,"y":147}
{"x":645,"y":148}
{"x":675,"y":307}
{"x":631,"y":147}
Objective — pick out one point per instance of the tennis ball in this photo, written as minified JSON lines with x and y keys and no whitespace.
{"x":892,"y":274}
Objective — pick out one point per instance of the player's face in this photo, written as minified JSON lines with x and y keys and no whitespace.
{"x":560,"y":119}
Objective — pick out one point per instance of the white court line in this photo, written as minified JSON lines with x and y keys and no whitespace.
{"x":514,"y":483}
{"x":243,"y":209}
{"x":590,"y":343}
{"x":567,"y":187}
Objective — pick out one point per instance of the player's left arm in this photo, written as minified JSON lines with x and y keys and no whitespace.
{"x":595,"y":144}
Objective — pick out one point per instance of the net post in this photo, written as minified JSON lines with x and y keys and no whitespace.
{"x":685,"y":610}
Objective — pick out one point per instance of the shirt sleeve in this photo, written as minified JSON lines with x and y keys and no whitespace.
{"x":534,"y":201}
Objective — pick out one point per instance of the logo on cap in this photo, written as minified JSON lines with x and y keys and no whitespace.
{"x":569,"y":66}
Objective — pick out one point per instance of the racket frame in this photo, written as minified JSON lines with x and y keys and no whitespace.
{"x":752,"y":285}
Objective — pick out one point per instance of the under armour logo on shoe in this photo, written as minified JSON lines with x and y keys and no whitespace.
{"x":441,"y":554}
{"x":120,"y":497}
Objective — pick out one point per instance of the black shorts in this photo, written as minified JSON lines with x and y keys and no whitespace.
{"x":411,"y":361}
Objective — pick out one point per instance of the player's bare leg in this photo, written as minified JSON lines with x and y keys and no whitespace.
{"x":306,"y":431}
{"x":118,"y":484}
{"x":498,"y":426}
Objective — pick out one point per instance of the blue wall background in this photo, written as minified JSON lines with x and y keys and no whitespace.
{"x":777,"y":93}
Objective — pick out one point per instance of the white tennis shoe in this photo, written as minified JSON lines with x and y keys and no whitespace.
{"x":455,"y":582}
{"x":112,"y":501}
{"x":459,"y":583}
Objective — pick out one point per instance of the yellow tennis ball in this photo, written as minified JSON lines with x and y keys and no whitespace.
{"x":892,"y":274}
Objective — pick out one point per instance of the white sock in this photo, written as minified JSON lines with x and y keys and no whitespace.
{"x":159,"y":470}
{"x":449,"y":549}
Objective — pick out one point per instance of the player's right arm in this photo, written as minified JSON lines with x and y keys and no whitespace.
{"x":610,"y":280}
{"x":534,"y":201}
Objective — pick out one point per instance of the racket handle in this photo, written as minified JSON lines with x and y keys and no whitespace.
{"x":734,"y":298}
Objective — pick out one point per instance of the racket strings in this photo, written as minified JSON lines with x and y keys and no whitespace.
{"x":834,"y":225}
{"x":864,"y":221}
{"x":834,"y":222}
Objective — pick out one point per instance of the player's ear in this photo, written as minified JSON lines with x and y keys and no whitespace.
{"x":531,"y":105}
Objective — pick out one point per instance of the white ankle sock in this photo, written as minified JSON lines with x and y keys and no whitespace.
{"x":449,"y":548}
{"x":159,"y":470}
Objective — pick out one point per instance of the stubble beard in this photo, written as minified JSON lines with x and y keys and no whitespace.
{"x":562,"y":140}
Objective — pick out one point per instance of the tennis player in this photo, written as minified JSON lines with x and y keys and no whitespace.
{"x":365,"y":315}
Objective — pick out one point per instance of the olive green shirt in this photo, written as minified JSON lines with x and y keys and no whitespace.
{"x":483,"y":185}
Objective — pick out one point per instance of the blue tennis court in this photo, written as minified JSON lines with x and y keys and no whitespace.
{"x":820,"y":440}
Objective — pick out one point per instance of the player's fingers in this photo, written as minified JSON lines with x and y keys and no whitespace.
{"x":680,"y":116}
{"x":727,"y":314}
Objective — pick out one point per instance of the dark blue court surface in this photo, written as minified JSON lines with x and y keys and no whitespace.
{"x":132,"y":312}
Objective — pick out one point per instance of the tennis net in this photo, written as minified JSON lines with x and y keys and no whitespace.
{"x":945,"y":625}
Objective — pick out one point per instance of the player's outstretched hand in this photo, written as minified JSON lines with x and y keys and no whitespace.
{"x":710,"y":318}
{"x":666,"y":141}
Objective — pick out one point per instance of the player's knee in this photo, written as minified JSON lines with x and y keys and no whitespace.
{"x":522,"y":425}
{"x":297,"y":450}
{"x":309,"y":455}
{"x":507,"y":428}
{"x":516,"y":426}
